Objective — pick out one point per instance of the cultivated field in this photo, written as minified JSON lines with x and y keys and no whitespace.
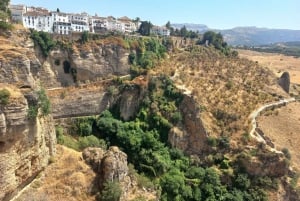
{"x":276,"y":62}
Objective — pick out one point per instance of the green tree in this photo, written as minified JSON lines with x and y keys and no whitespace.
{"x":4,"y":15}
{"x":111,"y":191}
{"x":43,"y":40}
{"x":145,"y":28}
{"x":183,"y":32}
{"x":168,"y":25}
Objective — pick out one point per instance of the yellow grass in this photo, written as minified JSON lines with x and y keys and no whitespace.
{"x":278,"y":63}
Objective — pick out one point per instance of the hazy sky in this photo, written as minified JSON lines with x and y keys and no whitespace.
{"x":213,"y":13}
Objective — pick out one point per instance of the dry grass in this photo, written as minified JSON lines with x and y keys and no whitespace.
{"x":278,"y":63}
{"x":283,"y":128}
{"x":232,"y":85}
{"x":67,"y":178}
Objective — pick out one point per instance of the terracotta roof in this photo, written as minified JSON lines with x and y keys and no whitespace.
{"x":124,"y":18}
{"x":36,"y":13}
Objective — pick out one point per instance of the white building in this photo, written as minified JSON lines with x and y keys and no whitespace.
{"x":97,"y":24}
{"x":79,"y":22}
{"x":17,"y":12}
{"x":38,"y":20}
{"x":161,"y":31}
{"x":61,"y":23}
{"x":41,"y":19}
{"x":128,"y":26}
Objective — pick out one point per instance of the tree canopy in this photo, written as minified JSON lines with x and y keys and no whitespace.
{"x":4,"y":14}
{"x":145,"y":28}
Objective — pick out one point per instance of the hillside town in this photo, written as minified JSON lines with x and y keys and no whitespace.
{"x":56,"y":22}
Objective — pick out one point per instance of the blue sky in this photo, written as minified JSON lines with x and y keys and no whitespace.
{"x":220,"y":14}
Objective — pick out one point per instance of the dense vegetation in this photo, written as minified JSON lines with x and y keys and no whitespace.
{"x":43,"y":40}
{"x":145,"y":54}
{"x":182,"y":32}
{"x":174,"y":175}
{"x":217,"y":41}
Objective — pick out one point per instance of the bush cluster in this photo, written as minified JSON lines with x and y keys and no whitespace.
{"x":43,"y":40}
{"x":4,"y":96}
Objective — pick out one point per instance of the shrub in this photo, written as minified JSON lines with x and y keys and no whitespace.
{"x":4,"y":96}
{"x":91,"y":141}
{"x":212,"y":141}
{"x":144,"y":182}
{"x":32,"y":112}
{"x":111,"y":191}
{"x":59,"y":134}
{"x":286,"y":153}
{"x":43,"y":40}
{"x":44,"y":102}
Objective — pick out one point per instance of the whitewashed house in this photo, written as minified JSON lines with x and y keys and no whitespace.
{"x":160,"y":30}
{"x":61,"y":23}
{"x":97,"y":24}
{"x":79,"y":22}
{"x":128,"y":26}
{"x":38,"y":20}
{"x":17,"y":12}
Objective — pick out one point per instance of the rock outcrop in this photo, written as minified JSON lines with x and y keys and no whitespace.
{"x":191,"y":136}
{"x":265,"y":163}
{"x":284,"y":81}
{"x":25,"y":145}
{"x":110,"y":165}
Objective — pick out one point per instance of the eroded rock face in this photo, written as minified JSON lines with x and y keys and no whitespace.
{"x":284,"y":81}
{"x":90,"y":63}
{"x":191,"y":137}
{"x":100,"y":61}
{"x":110,"y":165}
{"x":25,"y":145}
{"x":81,"y":101}
{"x":265,"y":164}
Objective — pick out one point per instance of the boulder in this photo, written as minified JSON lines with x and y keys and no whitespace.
{"x":284,"y":81}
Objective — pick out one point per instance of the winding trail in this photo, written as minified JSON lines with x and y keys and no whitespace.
{"x":257,"y":112}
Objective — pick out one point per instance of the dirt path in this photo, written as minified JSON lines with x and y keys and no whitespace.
{"x":257,"y":112}
{"x":283,"y":129}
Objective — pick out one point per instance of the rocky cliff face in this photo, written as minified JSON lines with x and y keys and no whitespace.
{"x":80,"y":101}
{"x":17,"y":58}
{"x":87,"y":63}
{"x":191,"y":135}
{"x":25,"y":145}
{"x":22,"y":63}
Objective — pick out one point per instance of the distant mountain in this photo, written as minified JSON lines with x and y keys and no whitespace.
{"x":250,"y":36}
{"x":253,"y":36}
{"x":193,"y":27}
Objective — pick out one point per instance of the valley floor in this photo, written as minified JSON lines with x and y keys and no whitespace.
{"x":283,"y":128}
